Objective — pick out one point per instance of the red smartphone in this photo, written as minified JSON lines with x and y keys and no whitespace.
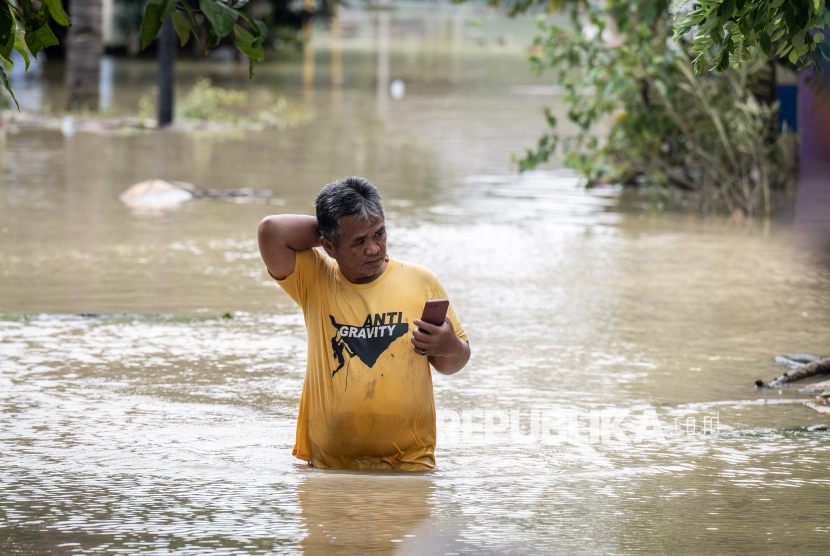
{"x":434,"y":312}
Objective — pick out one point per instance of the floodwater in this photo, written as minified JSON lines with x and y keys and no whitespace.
{"x":161,"y":427}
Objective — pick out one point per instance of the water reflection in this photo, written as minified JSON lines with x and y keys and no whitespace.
{"x":383,"y":28}
{"x":362,"y":514}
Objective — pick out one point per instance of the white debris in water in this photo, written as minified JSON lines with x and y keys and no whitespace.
{"x":397,"y":89}
{"x":68,"y":126}
{"x":157,"y":194}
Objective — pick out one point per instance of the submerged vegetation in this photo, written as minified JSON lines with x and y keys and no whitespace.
{"x":204,"y":108}
{"x":644,"y":117}
{"x":206,"y":103}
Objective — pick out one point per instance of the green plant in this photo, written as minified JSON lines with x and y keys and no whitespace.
{"x":643,"y":117}
{"x":222,"y":17}
{"x":35,"y":31}
{"x":207,"y":103}
{"x":737,"y":29}
{"x":213,"y":104}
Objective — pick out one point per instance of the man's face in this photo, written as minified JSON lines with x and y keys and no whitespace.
{"x":361,"y":252}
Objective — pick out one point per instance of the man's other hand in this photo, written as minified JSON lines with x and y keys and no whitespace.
{"x":447,"y":352}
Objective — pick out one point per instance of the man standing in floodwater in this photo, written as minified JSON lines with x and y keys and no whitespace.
{"x":374,"y":410}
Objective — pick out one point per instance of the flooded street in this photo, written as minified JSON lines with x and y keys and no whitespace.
{"x":151,"y":371}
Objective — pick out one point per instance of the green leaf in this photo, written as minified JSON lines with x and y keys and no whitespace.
{"x":761,"y":16}
{"x":166,"y":8}
{"x":6,"y":47}
{"x":798,"y":40}
{"x":182,"y":27}
{"x":39,"y":39}
{"x":5,"y":81}
{"x":827,"y":16}
{"x":6,"y":22}
{"x":727,"y":9}
{"x":723,"y":61}
{"x":18,"y":45}
{"x":221,"y":17}
{"x":151,"y":25}
{"x":245,"y":44}
{"x":191,"y":20}
{"x":778,"y":35}
{"x":793,"y":56}
{"x":259,"y":27}
{"x":765,"y":42}
{"x":57,"y":13}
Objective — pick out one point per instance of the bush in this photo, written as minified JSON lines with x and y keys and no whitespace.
{"x":206,"y":103}
{"x":622,"y":73}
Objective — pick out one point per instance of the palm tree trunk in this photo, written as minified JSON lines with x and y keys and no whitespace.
{"x":84,"y":46}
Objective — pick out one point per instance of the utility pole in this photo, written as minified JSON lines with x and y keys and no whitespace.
{"x":167,"y":73}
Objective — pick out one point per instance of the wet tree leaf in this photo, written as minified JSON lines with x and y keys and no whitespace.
{"x":5,"y":81}
{"x":182,"y":27}
{"x":56,"y":11}
{"x":167,"y":7}
{"x":6,"y":22}
{"x":761,"y":16}
{"x":151,"y":25}
{"x":39,"y":39}
{"x":221,"y":17}
{"x":18,"y":45}
{"x":245,"y":44}
{"x":727,"y":8}
{"x":260,"y":29}
{"x":765,"y":42}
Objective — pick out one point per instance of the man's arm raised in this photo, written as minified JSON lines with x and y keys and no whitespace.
{"x":280,"y":236}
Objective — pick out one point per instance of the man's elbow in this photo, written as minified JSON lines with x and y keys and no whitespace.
{"x":268,"y":228}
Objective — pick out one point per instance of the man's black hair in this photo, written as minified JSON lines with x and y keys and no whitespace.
{"x":345,"y":197}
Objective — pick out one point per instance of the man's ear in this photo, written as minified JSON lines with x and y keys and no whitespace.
{"x":327,"y":245}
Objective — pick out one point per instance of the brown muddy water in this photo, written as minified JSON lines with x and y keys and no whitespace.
{"x":167,"y":429}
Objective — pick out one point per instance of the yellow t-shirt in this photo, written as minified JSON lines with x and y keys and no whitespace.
{"x":367,"y":399}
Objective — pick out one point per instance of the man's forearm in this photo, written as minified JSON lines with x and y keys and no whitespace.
{"x":297,"y":231}
{"x":451,"y":364}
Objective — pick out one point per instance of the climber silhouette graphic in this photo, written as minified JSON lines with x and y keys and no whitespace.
{"x":338,"y":346}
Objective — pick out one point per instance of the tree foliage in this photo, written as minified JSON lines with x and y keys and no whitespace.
{"x":733,"y":31}
{"x":642,"y":116}
{"x":35,"y":31}
{"x":223,"y":16}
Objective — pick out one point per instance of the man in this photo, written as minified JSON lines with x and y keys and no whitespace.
{"x":374,"y":410}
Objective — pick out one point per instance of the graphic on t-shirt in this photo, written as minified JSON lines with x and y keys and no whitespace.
{"x":369,"y":341}
{"x":338,"y":346}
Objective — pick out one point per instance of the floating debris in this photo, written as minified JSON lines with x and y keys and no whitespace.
{"x":166,"y":194}
{"x":817,"y":387}
{"x":794,"y":360}
{"x":806,"y":365}
{"x":156,"y":194}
